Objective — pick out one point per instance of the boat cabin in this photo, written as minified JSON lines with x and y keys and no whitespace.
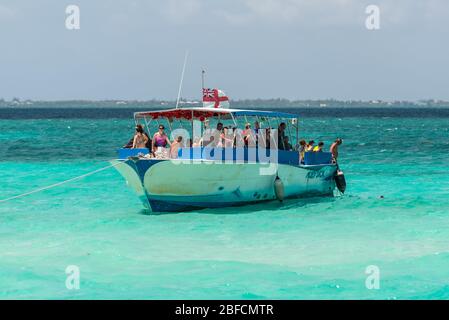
{"x":228,"y":134}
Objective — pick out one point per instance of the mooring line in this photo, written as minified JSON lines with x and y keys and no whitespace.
{"x":60,"y":183}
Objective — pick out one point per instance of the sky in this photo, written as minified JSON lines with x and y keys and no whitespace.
{"x":293,"y":49}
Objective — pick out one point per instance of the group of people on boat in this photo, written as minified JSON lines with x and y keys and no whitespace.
{"x":226,"y":137}
{"x":311,"y":147}
{"x":142,"y":140}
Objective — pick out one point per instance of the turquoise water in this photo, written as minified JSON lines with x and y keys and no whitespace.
{"x":303,"y":249}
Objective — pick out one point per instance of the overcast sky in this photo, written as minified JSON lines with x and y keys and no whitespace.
{"x":295,"y":49}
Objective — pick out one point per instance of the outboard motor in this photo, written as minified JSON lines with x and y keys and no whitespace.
{"x":340,"y":180}
{"x":279,"y":188}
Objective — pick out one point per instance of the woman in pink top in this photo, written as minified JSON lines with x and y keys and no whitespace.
{"x":160,"y":139}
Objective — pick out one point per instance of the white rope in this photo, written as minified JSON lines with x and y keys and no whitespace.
{"x":59,"y":183}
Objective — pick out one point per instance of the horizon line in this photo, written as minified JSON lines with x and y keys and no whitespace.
{"x":186,"y":100}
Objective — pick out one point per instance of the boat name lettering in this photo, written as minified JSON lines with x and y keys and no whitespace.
{"x":315,"y":174}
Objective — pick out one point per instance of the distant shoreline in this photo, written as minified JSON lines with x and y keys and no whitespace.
{"x":238,"y":104}
{"x":93,"y":113}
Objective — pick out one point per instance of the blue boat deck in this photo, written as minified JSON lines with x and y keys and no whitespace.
{"x":247,"y":155}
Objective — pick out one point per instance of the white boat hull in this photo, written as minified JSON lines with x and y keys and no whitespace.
{"x":176,"y":185}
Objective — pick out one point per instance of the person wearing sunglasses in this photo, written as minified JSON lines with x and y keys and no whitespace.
{"x":160,"y":139}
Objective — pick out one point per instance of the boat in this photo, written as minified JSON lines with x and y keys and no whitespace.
{"x":242,"y":171}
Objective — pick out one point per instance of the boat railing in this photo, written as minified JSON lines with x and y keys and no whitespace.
{"x":317,"y":158}
{"x":242,"y":154}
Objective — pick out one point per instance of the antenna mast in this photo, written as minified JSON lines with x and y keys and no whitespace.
{"x":182,"y":78}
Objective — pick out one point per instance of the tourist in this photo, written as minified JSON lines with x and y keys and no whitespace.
{"x":256,"y":127}
{"x":226,"y":140}
{"x":334,"y":148}
{"x":130,"y":143}
{"x":209,"y":143}
{"x":287,"y":145}
{"x":319,"y":147}
{"x":234,"y":135}
{"x":281,"y":135}
{"x":140,"y":138}
{"x":160,"y":139}
{"x":257,"y":131}
{"x":217,"y":134}
{"x":174,"y":148}
{"x":149,"y":142}
{"x":196,"y":142}
{"x":309,"y":146}
{"x":302,"y":150}
{"x":248,"y":136}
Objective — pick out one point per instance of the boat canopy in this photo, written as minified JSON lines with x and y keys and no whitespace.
{"x":184,"y":118}
{"x":203,"y":113}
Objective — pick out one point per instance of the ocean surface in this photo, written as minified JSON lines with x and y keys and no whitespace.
{"x":394,"y":216}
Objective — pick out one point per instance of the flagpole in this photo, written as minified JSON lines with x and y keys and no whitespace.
{"x":202,"y":84}
{"x":182,"y":78}
{"x":202,"y":77}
